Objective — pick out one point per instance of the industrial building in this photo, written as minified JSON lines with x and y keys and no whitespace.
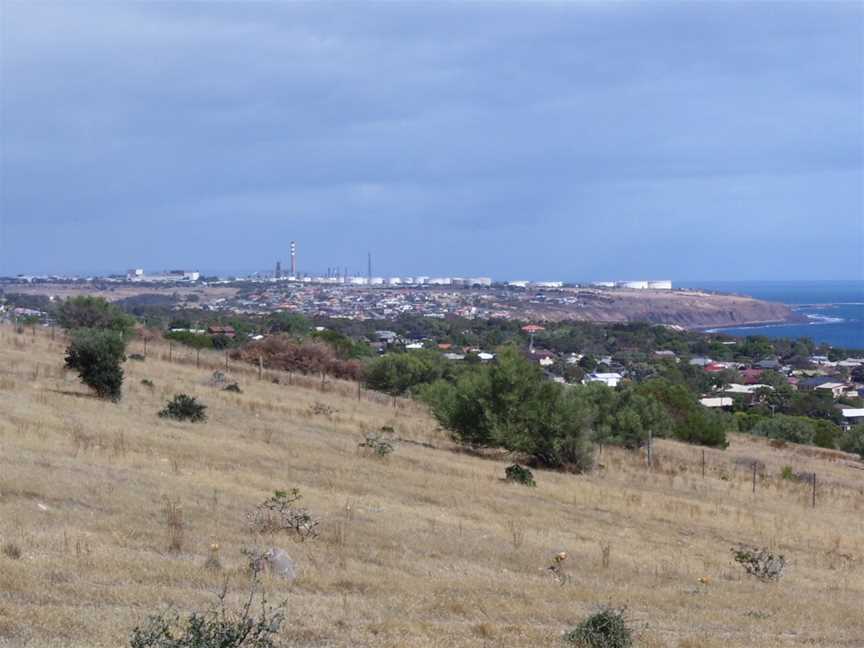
{"x":170,"y":276}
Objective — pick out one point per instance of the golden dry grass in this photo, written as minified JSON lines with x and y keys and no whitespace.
{"x":426,"y":548}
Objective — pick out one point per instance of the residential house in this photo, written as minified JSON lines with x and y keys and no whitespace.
{"x":722,"y":401}
{"x":837,"y":389}
{"x":608,"y":379}
{"x":700,"y":361}
{"x":227,"y":331}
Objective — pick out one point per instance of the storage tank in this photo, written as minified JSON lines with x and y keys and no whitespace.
{"x":663,"y":284}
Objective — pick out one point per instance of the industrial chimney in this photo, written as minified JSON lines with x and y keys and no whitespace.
{"x":293,"y":259}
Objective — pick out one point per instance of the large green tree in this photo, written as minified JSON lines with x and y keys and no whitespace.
{"x":87,"y":312}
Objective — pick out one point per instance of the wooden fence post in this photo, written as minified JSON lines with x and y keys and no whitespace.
{"x":814,"y":490}
{"x":650,"y":450}
{"x":703,"y":464}
{"x":260,"y":367}
{"x":197,"y":358}
{"x":754,"y":476}
{"x":170,"y":352}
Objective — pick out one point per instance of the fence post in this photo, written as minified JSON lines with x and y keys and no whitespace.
{"x":197,"y":358}
{"x":358,"y":390}
{"x":260,"y":367}
{"x":754,"y":476}
{"x":650,"y":449}
{"x":814,"y":490}
{"x":226,"y":360}
{"x":145,"y":347}
{"x":170,"y":352}
{"x":703,"y":464}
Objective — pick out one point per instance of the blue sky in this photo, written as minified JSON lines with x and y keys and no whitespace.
{"x":586,"y":140}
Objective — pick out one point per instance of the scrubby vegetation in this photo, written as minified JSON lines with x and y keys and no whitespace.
{"x":281,"y":513}
{"x":519,"y":475}
{"x":761,"y":563}
{"x":184,"y":408}
{"x":219,"y":627}
{"x":286,"y":354}
{"x":605,"y":629}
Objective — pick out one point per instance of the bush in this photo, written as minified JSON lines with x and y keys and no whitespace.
{"x":283,"y":353}
{"x":233,"y":387}
{"x":399,"y":373}
{"x":280,"y":513}
{"x":147,"y":383}
{"x":11,"y":550}
{"x":605,"y":629}
{"x":519,"y":475}
{"x":853,"y":440}
{"x":376,"y":443}
{"x":792,"y":429}
{"x":217,"y":628}
{"x":96,"y":355}
{"x":761,"y":563}
{"x":184,"y":408}
{"x":137,"y":357}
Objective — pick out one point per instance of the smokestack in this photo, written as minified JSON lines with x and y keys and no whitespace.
{"x":293,"y":259}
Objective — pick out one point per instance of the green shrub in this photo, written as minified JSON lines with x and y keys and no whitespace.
{"x":219,"y":627}
{"x":519,"y":475}
{"x":137,"y":357}
{"x":793,"y":429}
{"x":398,"y":373}
{"x":184,"y":408}
{"x":605,"y":629}
{"x":852,"y":440}
{"x":233,"y":387}
{"x":787,"y":472}
{"x":96,"y":355}
{"x":147,"y":383}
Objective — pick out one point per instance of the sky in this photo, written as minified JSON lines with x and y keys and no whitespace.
{"x":573,"y":141}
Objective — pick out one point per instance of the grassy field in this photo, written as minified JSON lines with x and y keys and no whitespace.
{"x":428,"y":547}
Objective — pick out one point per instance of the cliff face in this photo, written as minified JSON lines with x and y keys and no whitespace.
{"x":684,"y":308}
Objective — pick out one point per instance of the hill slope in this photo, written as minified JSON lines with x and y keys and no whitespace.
{"x":426,"y":548}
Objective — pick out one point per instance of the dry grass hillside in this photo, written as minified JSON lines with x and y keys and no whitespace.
{"x":427,"y":547}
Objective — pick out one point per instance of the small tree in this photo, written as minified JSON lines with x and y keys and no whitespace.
{"x":96,"y":355}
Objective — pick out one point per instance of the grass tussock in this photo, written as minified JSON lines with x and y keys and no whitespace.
{"x":119,"y":514}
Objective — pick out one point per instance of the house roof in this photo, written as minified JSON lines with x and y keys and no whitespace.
{"x":722,"y":401}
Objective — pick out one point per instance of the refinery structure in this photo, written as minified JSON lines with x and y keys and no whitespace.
{"x":340,"y":275}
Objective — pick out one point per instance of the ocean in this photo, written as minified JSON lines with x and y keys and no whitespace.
{"x":835,"y":309}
